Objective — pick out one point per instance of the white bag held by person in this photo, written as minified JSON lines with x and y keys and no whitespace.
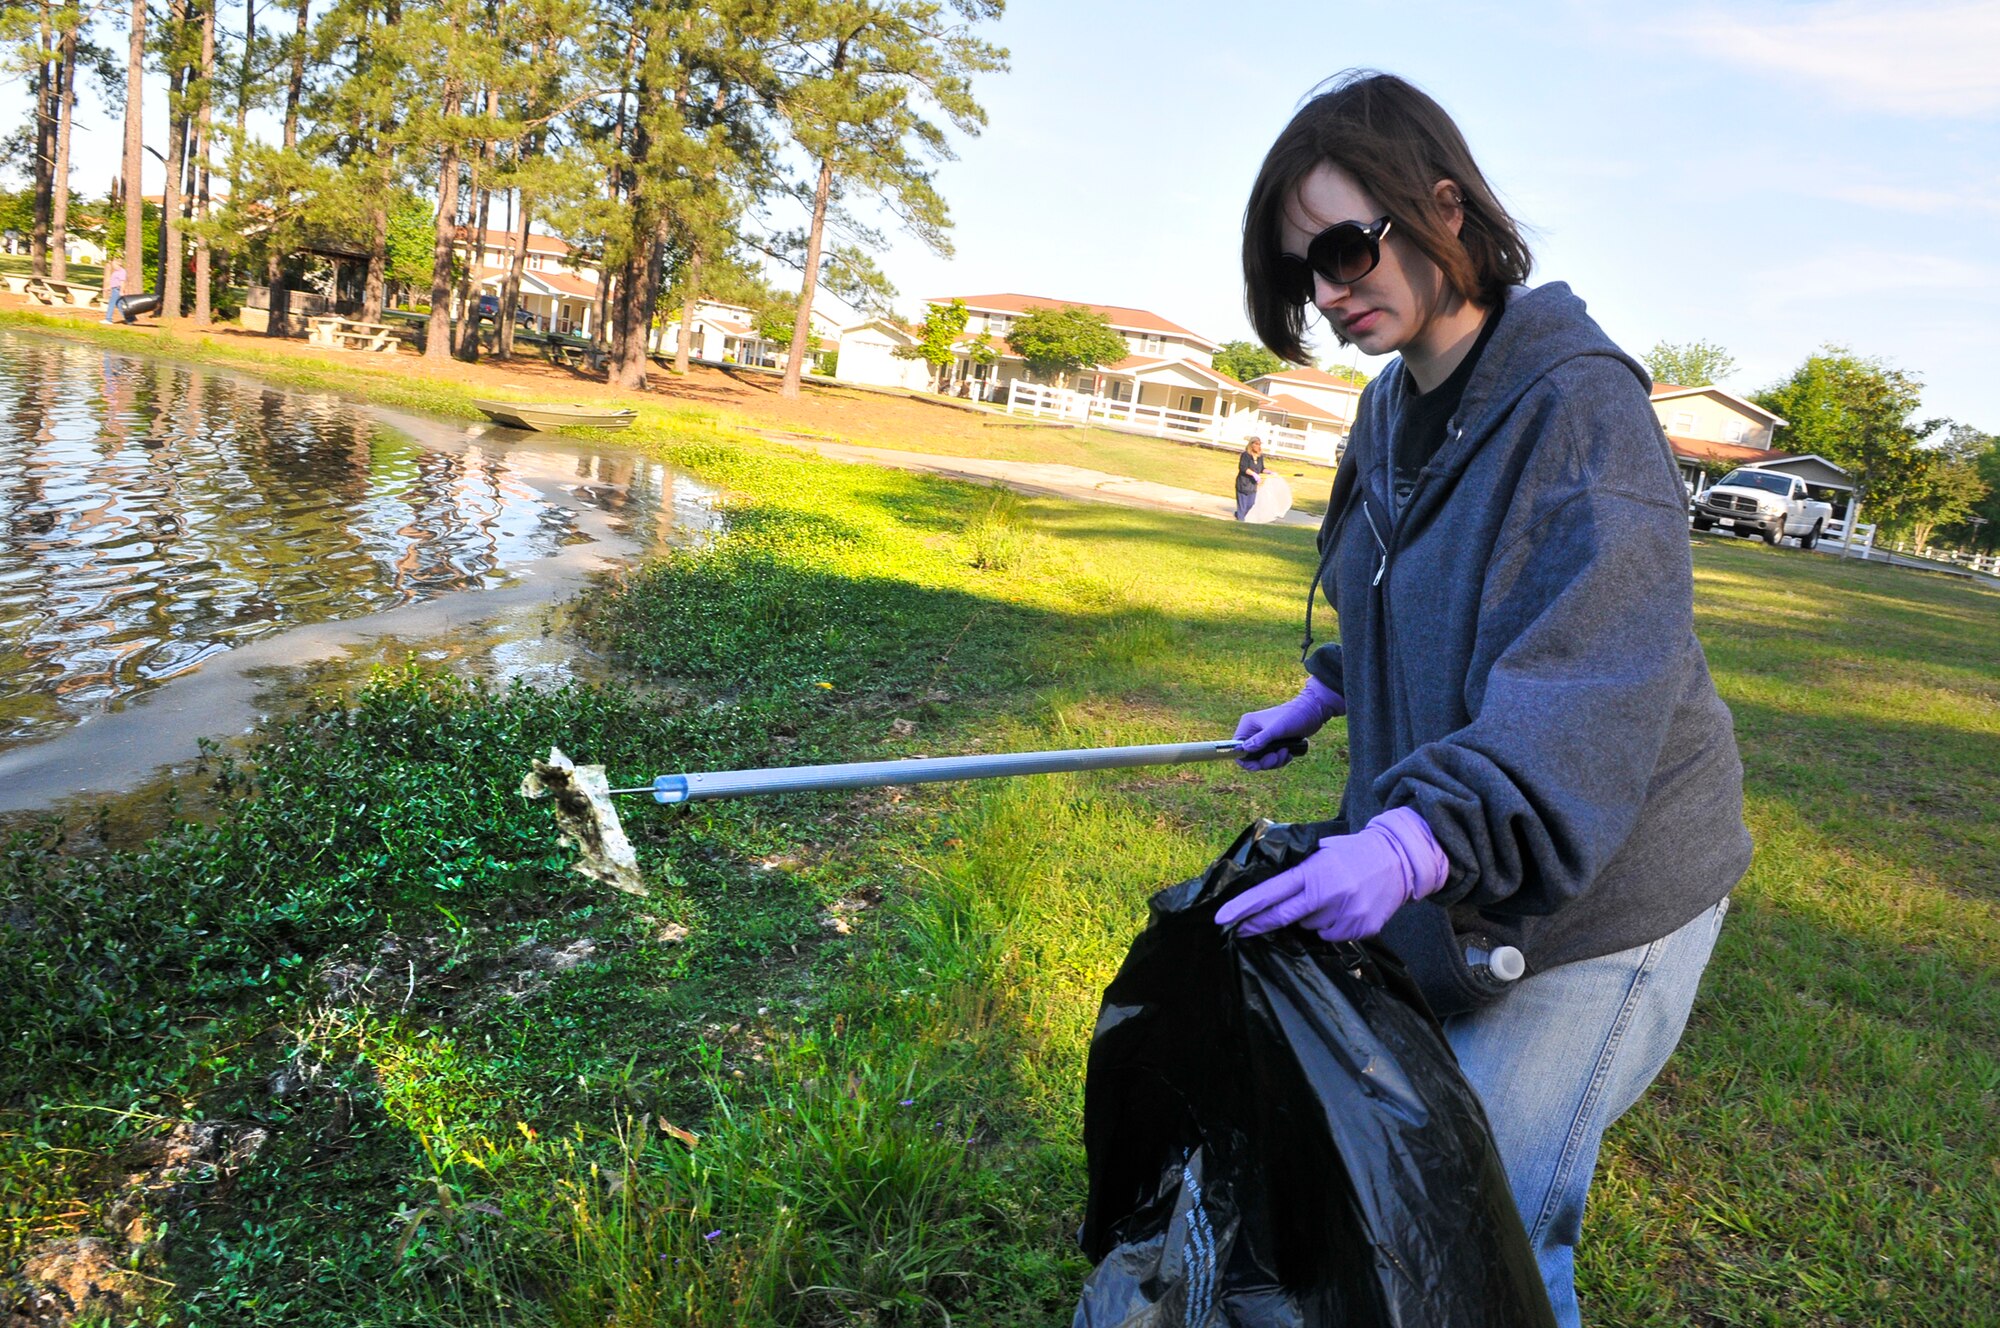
{"x":1274,"y":499}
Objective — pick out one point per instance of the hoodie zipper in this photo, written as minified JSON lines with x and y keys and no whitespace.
{"x":1392,"y":663}
{"x":1381,"y":548}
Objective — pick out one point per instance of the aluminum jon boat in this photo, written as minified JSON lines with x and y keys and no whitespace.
{"x":553,"y":416}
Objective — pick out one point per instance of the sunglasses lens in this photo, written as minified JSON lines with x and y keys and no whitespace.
{"x":1344,"y":255}
{"x":1296,"y":279}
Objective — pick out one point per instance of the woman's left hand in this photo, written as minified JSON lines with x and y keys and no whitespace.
{"x":1350,"y":887}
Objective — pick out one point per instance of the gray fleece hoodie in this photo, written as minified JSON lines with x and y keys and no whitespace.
{"x":1519,"y":660}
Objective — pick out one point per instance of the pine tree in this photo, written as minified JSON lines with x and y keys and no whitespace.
{"x":173,"y":42}
{"x":134,"y":163}
{"x":204,"y":120}
{"x":859,"y":78}
{"x":692,"y":145}
{"x":70,"y":23}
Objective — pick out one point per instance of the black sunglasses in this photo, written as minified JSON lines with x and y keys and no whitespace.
{"x":1343,"y":253}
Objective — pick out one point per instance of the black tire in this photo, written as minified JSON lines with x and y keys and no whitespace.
{"x":1774,"y":534}
{"x":1703,"y":523}
{"x":1811,"y":537}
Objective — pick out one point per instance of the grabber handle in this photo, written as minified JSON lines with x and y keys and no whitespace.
{"x":699,"y":786}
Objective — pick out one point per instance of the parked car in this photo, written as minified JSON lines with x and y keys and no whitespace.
{"x":1769,"y":503}
{"x":489,"y":306}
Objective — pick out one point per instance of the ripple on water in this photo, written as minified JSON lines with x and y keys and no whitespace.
{"x":153,"y":515}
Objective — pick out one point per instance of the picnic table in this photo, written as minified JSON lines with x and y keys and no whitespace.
{"x":42,"y":290}
{"x":350,"y":334}
{"x":570,"y":356}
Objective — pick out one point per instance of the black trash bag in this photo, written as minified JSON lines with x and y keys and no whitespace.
{"x":1279,"y":1135}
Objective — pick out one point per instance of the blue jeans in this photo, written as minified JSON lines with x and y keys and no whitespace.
{"x":1563,"y":1056}
{"x":1244,"y":502}
{"x":111,"y":304}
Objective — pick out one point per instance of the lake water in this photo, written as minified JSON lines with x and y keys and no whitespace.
{"x":157,"y":517}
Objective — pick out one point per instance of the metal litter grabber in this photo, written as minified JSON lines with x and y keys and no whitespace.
{"x":699,"y":786}
{"x":589,"y":822}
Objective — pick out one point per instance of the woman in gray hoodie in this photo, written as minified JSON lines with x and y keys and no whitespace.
{"x":1539,"y":765}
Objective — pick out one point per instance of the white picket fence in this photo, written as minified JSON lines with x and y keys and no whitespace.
{"x":1024,"y":398}
{"x":1037,"y":401}
{"x":1977,"y":562}
{"x":1834,"y":539}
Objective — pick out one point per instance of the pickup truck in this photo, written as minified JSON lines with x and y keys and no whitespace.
{"x":1762,"y":502}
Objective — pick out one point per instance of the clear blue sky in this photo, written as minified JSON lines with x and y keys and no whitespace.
{"x":1767,"y":176}
{"x":1770,"y":176}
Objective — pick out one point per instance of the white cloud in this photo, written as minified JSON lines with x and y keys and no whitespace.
{"x":1916,"y":59}
{"x":1882,"y":279}
{"x":1903,"y":198}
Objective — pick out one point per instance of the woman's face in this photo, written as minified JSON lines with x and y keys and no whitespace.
{"x":1393,"y":307}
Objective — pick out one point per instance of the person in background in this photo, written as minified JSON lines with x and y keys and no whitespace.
{"x":1543,"y":815}
{"x":1249,"y":474}
{"x":114,"y":288}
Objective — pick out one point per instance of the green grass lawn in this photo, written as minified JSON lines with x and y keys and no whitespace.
{"x":869,"y":1038}
{"x":80,"y":272}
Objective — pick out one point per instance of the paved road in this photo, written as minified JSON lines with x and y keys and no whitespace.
{"x":1042,"y":478}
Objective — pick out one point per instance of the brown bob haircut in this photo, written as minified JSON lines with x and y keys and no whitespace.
{"x":1397,"y":144}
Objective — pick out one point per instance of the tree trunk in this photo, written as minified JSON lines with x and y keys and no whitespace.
{"x":437,"y":332}
{"x":689,"y":294}
{"x":170,"y":193}
{"x":243,"y":97}
{"x":468,"y":337}
{"x":135,"y":93}
{"x":638,"y":292}
{"x":275,"y":282}
{"x":65,"y":117}
{"x":296,"y":88}
{"x":378,"y":265}
{"x":204,"y":121}
{"x":802,"y":325}
{"x":510,"y":289}
{"x":48,"y":93}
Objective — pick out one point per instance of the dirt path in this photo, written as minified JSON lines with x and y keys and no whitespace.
{"x":1059,"y":481}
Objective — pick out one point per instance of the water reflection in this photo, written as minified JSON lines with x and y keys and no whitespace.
{"x":154,"y":514}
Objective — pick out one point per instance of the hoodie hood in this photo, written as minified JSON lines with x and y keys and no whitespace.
{"x":1541,"y":330}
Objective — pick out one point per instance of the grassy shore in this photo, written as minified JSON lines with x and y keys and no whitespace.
{"x":829,"y":1070}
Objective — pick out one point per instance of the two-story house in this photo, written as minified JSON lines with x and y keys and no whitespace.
{"x":1708,"y":427}
{"x":729,"y":334}
{"x":1169,"y":366}
{"x":1310,"y":402}
{"x":1166,"y":382}
{"x":559,"y":285}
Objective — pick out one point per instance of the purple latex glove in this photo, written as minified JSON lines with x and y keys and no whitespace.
{"x":1300,"y":717}
{"x":1351,"y":887}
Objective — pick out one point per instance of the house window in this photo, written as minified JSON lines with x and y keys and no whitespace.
{"x":1683,"y":423}
{"x":1735,"y":431}
{"x":998,"y":324}
{"x":1152,"y":345}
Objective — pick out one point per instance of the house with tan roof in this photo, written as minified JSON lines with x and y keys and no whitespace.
{"x":728,"y":334}
{"x":1309,"y":401}
{"x":1710,"y":428}
{"x":1167,"y":385}
{"x":559,"y":284}
{"x":875,"y":353}
{"x":1147,"y":376}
